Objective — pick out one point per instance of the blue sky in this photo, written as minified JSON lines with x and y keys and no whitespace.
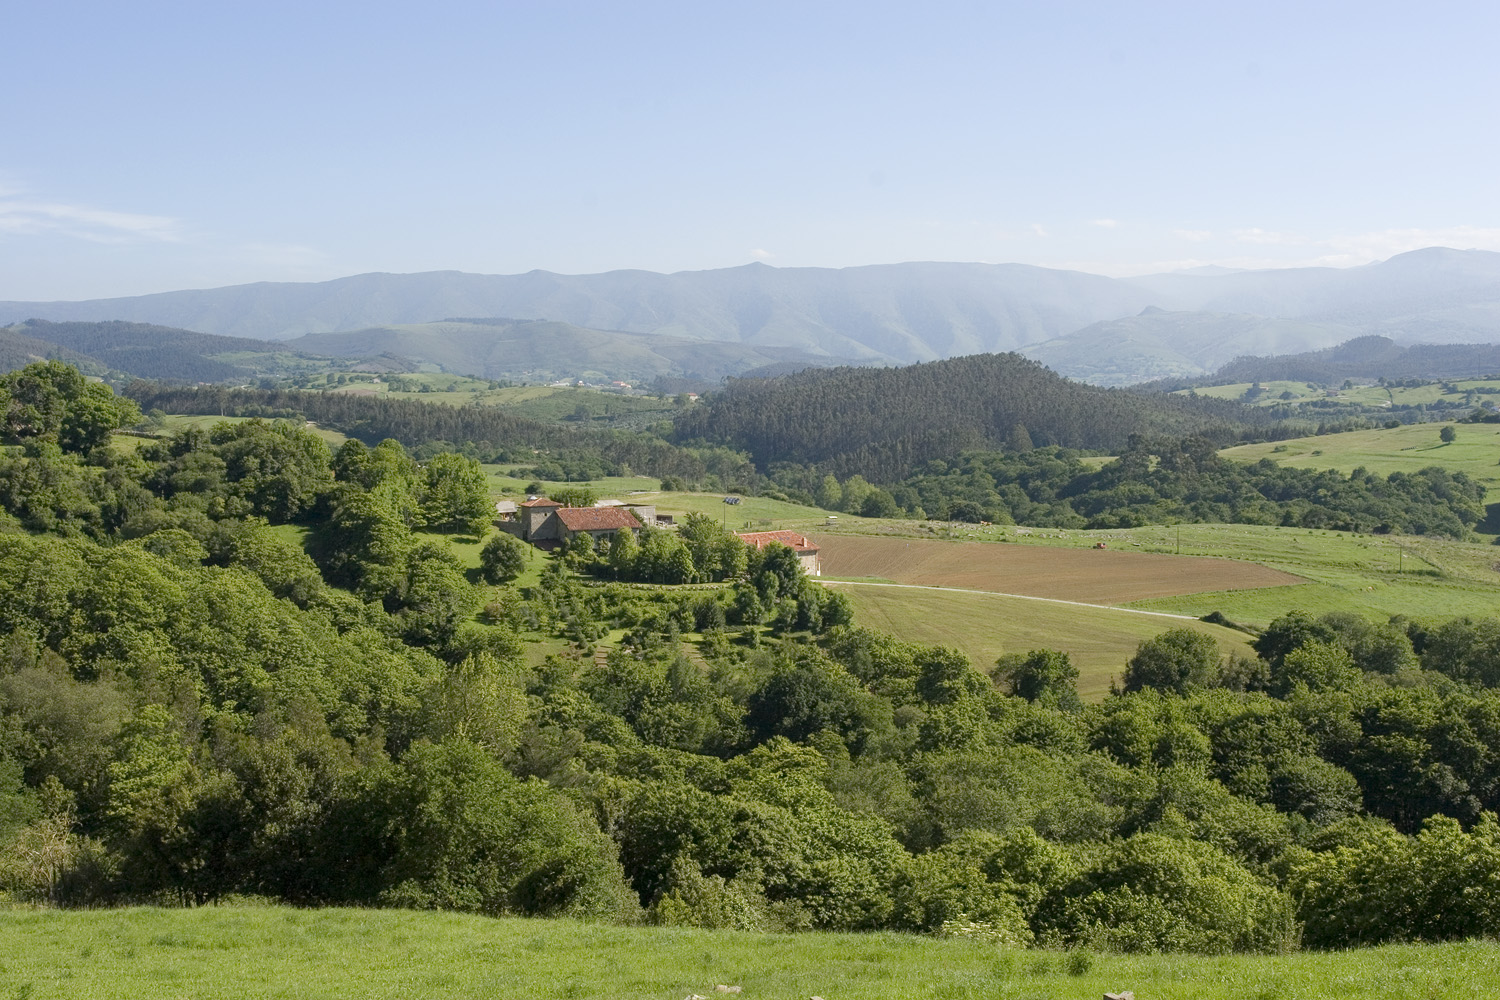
{"x":153,"y":146}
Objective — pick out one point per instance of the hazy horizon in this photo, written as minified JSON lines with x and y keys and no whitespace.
{"x":1206,"y":270}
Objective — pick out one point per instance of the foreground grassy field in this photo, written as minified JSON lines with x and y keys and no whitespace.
{"x":254,"y":952}
{"x":984,"y":626}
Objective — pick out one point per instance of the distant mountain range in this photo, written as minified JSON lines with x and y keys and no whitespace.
{"x":1107,"y":330}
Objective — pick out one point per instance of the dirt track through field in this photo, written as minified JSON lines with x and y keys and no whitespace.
{"x":1085,"y":575}
{"x":1018,"y":597}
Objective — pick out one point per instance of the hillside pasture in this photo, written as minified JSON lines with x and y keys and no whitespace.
{"x":1274,"y":391}
{"x":549,"y":403}
{"x":175,"y":423}
{"x":1411,"y":447}
{"x":984,"y":626}
{"x":1466,"y":391}
{"x":512,"y":480}
{"x":1082,"y":573}
{"x":264,"y":952}
{"x":750,"y":514}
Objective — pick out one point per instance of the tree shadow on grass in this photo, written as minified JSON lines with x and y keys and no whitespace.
{"x":1491,"y":523}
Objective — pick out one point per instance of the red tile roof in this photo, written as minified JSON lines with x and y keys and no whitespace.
{"x":541,"y":502}
{"x":792,"y":540}
{"x":597,"y":518}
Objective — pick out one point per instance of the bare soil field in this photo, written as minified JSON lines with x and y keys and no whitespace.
{"x":1092,"y":576}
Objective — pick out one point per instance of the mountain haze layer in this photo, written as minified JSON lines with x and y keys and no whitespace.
{"x":543,"y":350}
{"x":897,"y":312}
{"x":1107,"y":330}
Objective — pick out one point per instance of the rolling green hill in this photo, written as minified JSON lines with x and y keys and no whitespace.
{"x":1475,"y":450}
{"x":145,"y":350}
{"x":17,"y":350}
{"x":882,"y":423}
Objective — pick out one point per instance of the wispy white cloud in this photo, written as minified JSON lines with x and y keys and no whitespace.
{"x":1267,"y":238}
{"x":1105,"y":223}
{"x":21,"y":216}
{"x":1193,"y":235}
{"x":762,"y":254}
{"x":1038,"y":230}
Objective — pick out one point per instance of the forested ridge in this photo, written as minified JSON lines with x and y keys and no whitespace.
{"x":881,"y":423}
{"x":487,"y":432}
{"x":146,"y":350}
{"x":1159,"y":482}
{"x":194,"y":707}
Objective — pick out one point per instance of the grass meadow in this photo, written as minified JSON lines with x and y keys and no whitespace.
{"x":1475,"y":451}
{"x":538,"y":402}
{"x":985,"y":626}
{"x":254,"y":952}
{"x":511,"y":481}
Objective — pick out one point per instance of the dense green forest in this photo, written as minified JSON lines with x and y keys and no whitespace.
{"x":17,"y":350}
{"x":488,"y":433}
{"x":882,"y":423}
{"x":194,"y":706}
{"x":1155,"y":482}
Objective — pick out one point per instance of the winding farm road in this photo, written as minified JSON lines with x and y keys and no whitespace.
{"x":1019,"y":597}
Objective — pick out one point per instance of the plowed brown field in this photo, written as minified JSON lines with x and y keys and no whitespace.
{"x":1093,"y":576}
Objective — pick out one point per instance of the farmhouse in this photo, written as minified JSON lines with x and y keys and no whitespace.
{"x":807,"y":552}
{"x":595,"y":521}
{"x":545,"y":522}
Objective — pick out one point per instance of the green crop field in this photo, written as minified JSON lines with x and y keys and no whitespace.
{"x":263,"y":952}
{"x":985,"y":626}
{"x":1474,"y":451}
